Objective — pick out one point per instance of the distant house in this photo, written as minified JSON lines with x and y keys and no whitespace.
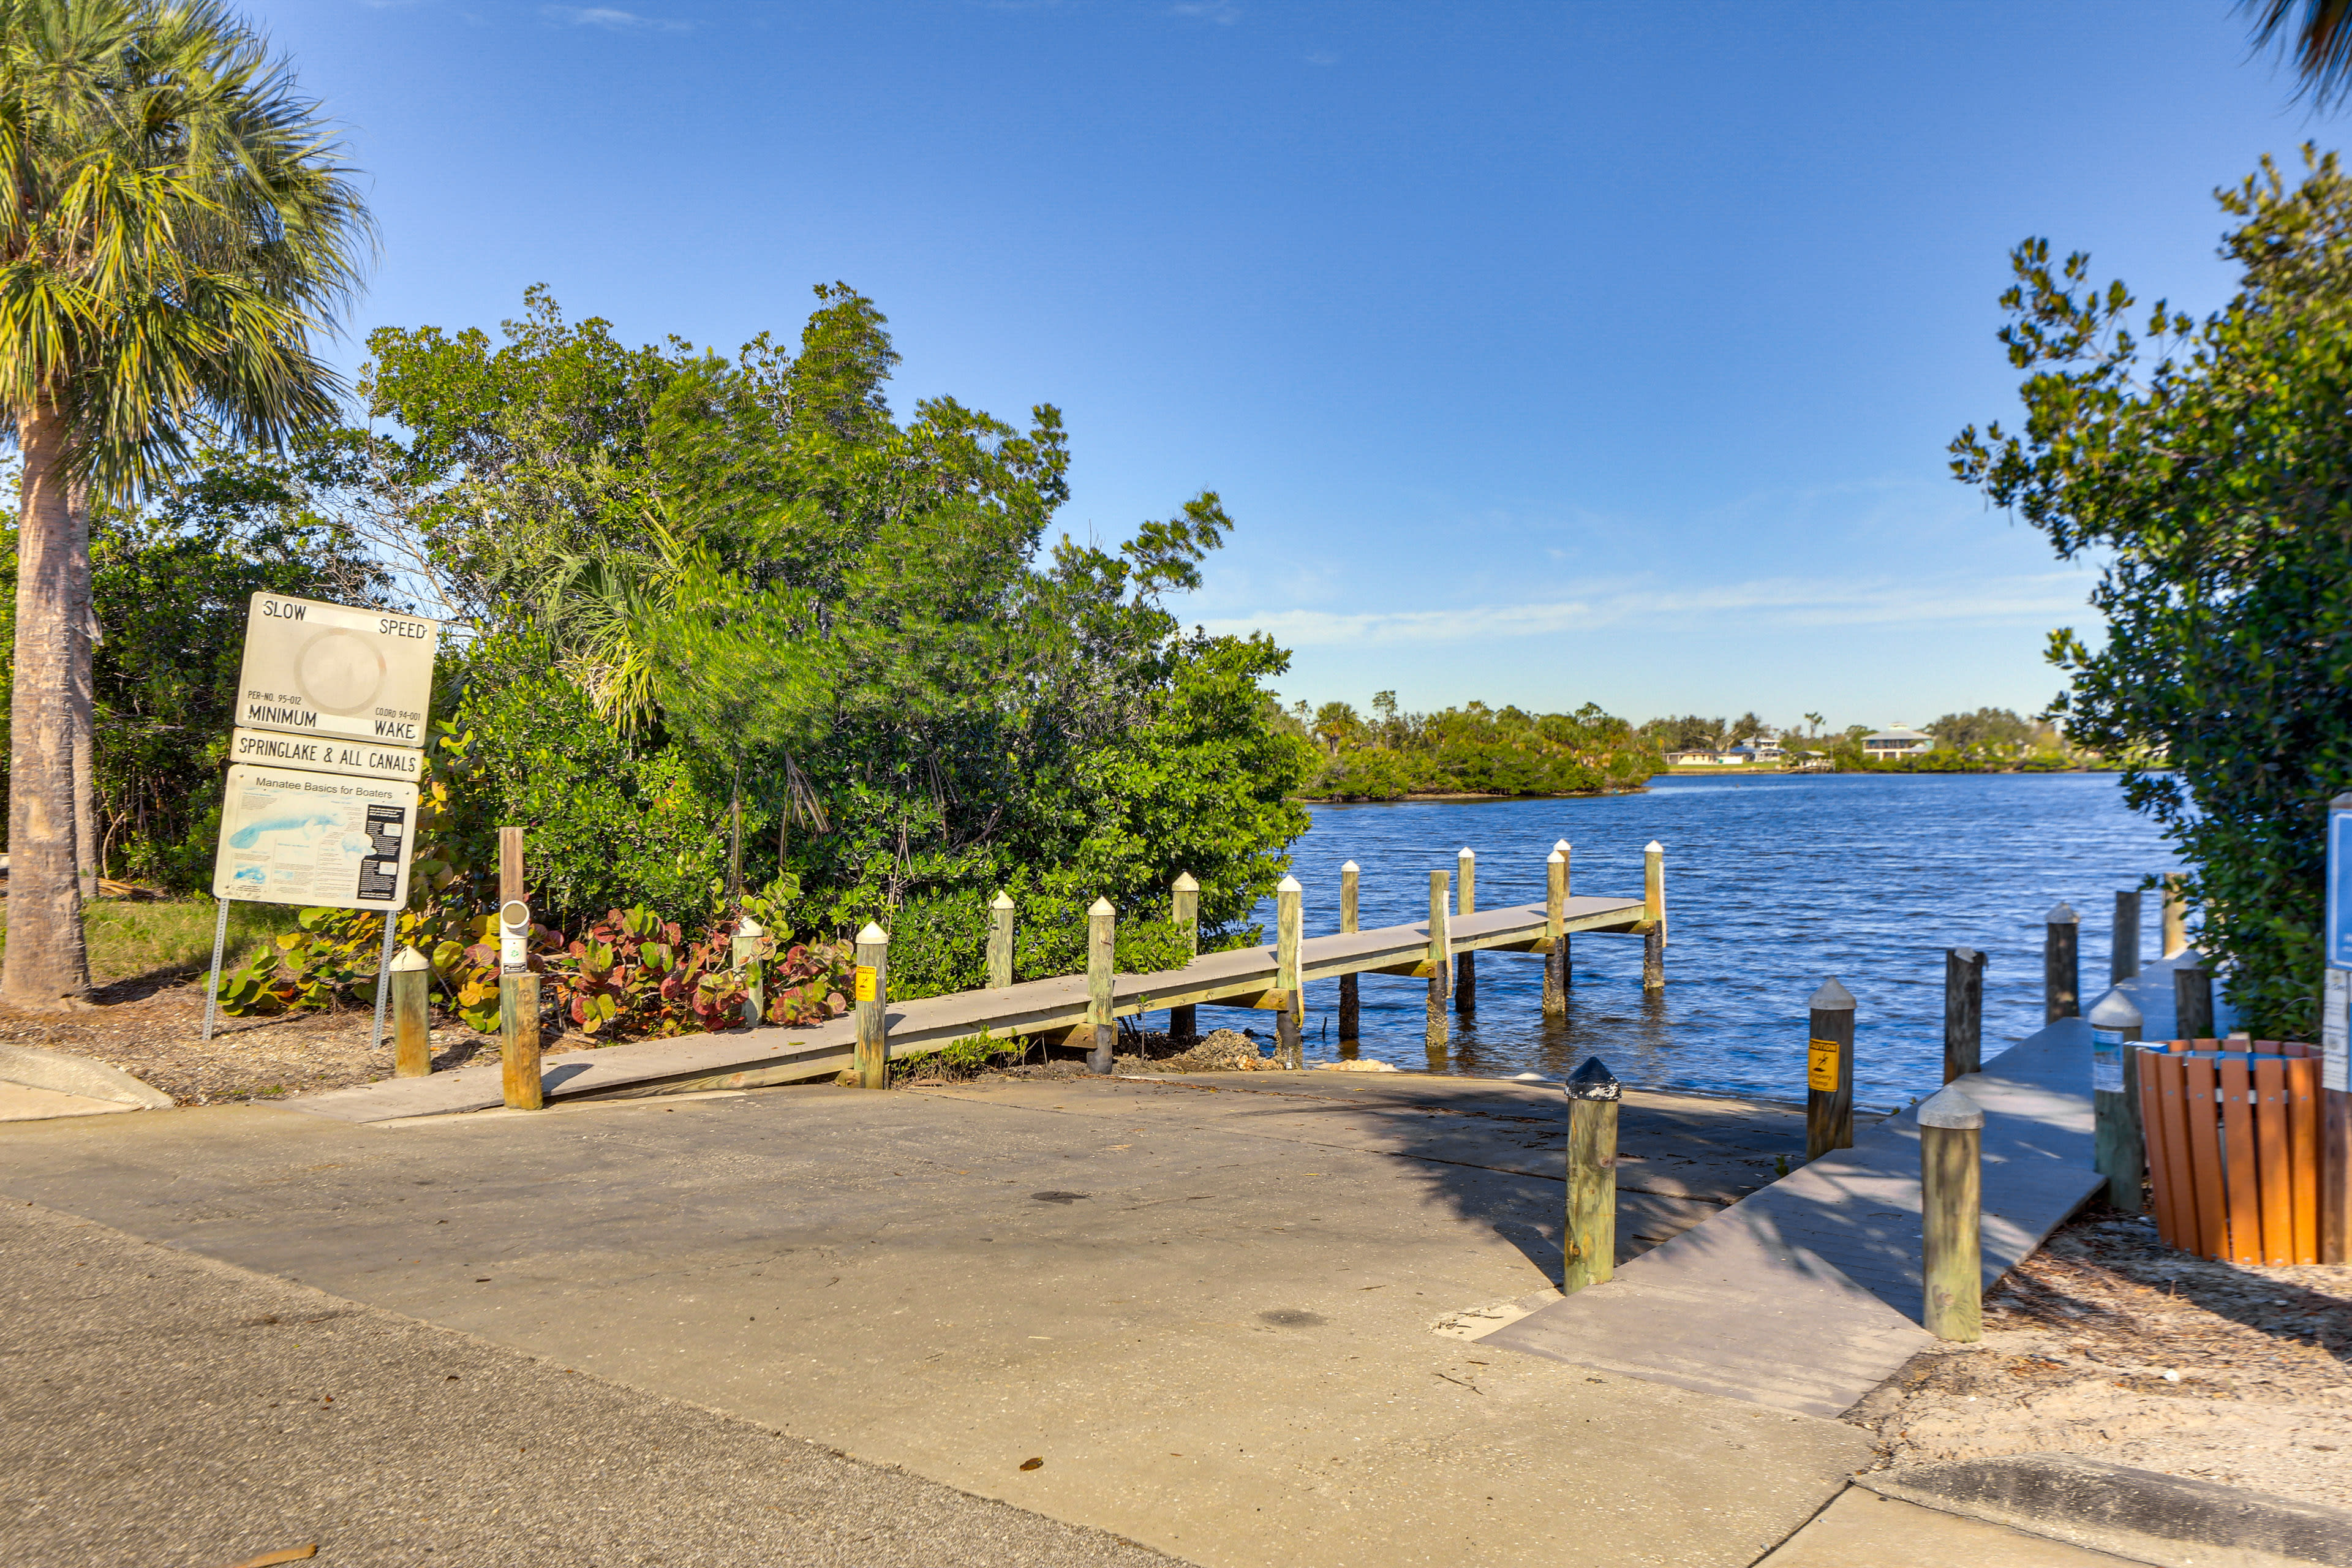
{"x":1733,"y":758}
{"x":1897,"y":741}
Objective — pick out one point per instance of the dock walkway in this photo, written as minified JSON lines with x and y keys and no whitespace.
{"x":1049,"y":1009}
{"x":1807,"y":1295}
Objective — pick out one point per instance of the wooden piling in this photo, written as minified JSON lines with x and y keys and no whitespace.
{"x":412,"y":1034}
{"x":2062,"y":969}
{"x":1654,"y":914}
{"x":1102,"y":947}
{"x":2176,"y":915}
{"x":1963,"y":1012}
{"x":1829,"y":1071}
{"x":1465,"y":965}
{"x":1348,"y":878}
{"x":749,"y":952}
{"x":1440,"y":955}
{"x":1589,"y":1242}
{"x":1951,"y":1151}
{"x":870,"y":1059}
{"x":1290,"y":1048}
{"x":519,"y":1043}
{"x":2119,"y":1142}
{"x":2123,"y":952}
{"x":1184,"y":909}
{"x":1555,"y":975}
{"x":2192,"y":1004}
{"x":1000,"y":941}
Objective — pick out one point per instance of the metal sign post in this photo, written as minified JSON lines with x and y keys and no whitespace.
{"x":2336,"y":1041}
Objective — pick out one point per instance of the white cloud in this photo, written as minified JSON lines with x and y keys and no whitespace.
{"x":2046,"y":597}
{"x":610,"y":19}
{"x":1225,"y":13}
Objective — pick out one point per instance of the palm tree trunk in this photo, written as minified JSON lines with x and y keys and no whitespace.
{"x":84,"y":706}
{"x":47,"y":965}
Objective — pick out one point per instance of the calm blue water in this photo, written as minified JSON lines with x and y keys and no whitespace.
{"x":1772,"y":884}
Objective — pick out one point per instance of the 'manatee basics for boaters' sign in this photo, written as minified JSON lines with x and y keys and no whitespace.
{"x":331,"y":670}
{"x":290,"y":837}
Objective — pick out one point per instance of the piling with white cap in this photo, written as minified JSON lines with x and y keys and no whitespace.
{"x":2119,"y":1142}
{"x":1555,"y":980}
{"x":1102,"y":948}
{"x":1829,"y":1070}
{"x":870,"y":1057}
{"x":1350,"y":877}
{"x":2061,"y":976}
{"x":1951,"y":1151}
{"x":1654,"y":917}
{"x":1289,"y":1047}
{"x":1465,"y":965}
{"x":1000,"y":940}
{"x":1184,"y":908}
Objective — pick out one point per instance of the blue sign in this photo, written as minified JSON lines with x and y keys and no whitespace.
{"x":2340,"y":889}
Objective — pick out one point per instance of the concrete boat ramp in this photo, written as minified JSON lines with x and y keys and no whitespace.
{"x":1238,"y":1317}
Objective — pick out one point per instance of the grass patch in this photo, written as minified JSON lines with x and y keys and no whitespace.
{"x":127,"y":938}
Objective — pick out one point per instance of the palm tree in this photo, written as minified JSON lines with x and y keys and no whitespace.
{"x":177,"y":225}
{"x":2323,"y":41}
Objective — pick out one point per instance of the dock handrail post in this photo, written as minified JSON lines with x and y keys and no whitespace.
{"x":1350,"y":876}
{"x":412,"y":1036}
{"x":1829,"y":1071}
{"x":1440,"y":951}
{"x":1963,"y":1012}
{"x":1184,"y":909}
{"x":1654,"y":917}
{"x":2192,"y":1003}
{"x":2176,"y":915}
{"x":1555,"y":980}
{"x":1290,"y":1049}
{"x":1951,"y":1151}
{"x":1102,"y":948}
{"x":2061,"y":969}
{"x":999,"y":940}
{"x":2118,"y":1142}
{"x":872,"y":1059}
{"x":2123,"y":953}
{"x":1589,"y":1242}
{"x":1465,"y":965}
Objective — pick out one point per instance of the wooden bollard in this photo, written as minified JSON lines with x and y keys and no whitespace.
{"x":412,"y":1034}
{"x":1440,"y":955}
{"x":1102,"y":953}
{"x":2062,"y":969}
{"x":1000,"y":941}
{"x":1184,"y":909}
{"x":1465,"y":902}
{"x":2176,"y":915}
{"x":2192,"y":1003}
{"x":2119,"y":1142}
{"x":748,"y":951}
{"x":1654,"y":914}
{"x":1290,"y":1049}
{"x":1829,"y":1071}
{"x":1349,"y":877}
{"x":1951,"y":1153}
{"x":870,"y":1057}
{"x":1589,"y":1244}
{"x":1963,"y":1012}
{"x":2123,"y":952}
{"x":518,"y":1011}
{"x":1554,"y":979}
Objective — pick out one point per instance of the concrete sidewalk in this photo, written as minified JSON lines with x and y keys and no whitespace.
{"x":1215,"y":1326}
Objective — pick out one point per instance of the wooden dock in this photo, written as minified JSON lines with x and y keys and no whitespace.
{"x":1056,"y":1012}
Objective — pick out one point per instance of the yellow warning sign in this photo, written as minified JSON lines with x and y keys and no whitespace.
{"x":1821,"y":1064}
{"x":866,"y":988}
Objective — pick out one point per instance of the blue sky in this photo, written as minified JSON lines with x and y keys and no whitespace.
{"x":1543,"y":354}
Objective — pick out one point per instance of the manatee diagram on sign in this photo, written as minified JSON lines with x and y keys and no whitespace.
{"x":329,"y":669}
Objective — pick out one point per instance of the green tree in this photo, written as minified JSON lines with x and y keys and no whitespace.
{"x":2209,"y":464}
{"x":178,"y":226}
{"x":1991,"y":729}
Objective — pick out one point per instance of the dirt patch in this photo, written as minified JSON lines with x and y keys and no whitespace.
{"x":2110,"y":1344}
{"x":152,"y":1029}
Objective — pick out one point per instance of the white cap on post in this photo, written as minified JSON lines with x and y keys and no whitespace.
{"x":1653,"y":848}
{"x":1102,"y":907}
{"x":2062,"y":916}
{"x":408,"y":959}
{"x":872,"y":933}
{"x":1185,"y":884}
{"x":1555,"y":855}
{"x":1948,"y":1108}
{"x":1350,"y":865}
{"x":1002,"y":900}
{"x":1288,"y":885}
{"x":1830,"y":997}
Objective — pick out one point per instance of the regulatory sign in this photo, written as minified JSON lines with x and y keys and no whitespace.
{"x":2334,"y":1028}
{"x":313,"y":668}
{"x":2340,"y":889}
{"x":1821,"y":1065}
{"x":322,"y":754}
{"x":290,"y":837}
